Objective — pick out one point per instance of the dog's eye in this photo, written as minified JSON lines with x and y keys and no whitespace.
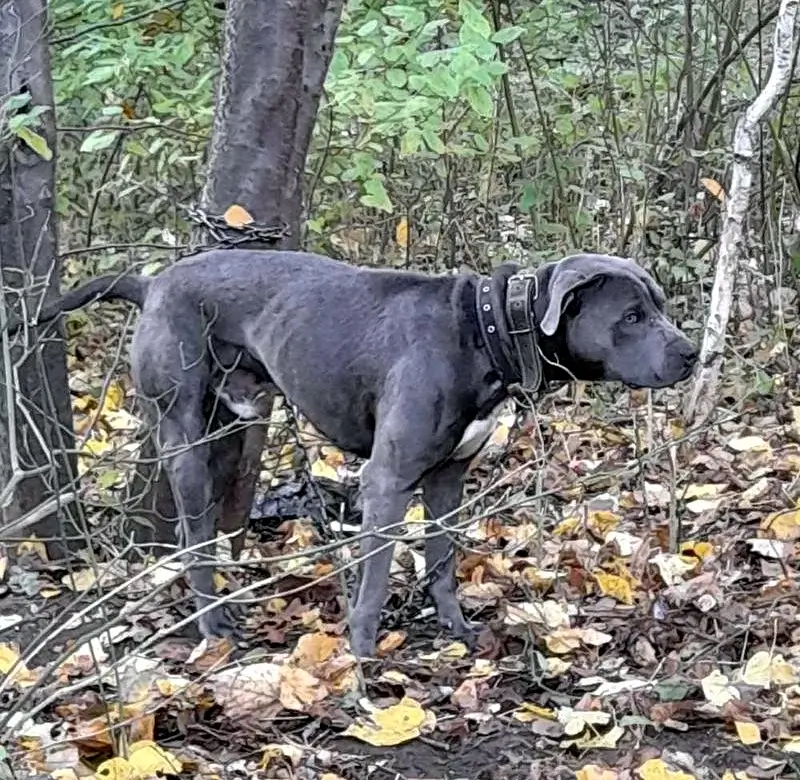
{"x":632,"y":317}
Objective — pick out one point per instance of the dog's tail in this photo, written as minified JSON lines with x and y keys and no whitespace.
{"x":104,"y":288}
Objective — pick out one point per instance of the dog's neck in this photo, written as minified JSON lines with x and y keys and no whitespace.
{"x":520,"y":353}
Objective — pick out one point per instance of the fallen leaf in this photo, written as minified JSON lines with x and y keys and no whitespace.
{"x":210,"y":653}
{"x":575,"y":721}
{"x":764,"y":670}
{"x":590,"y":741}
{"x":714,"y":188}
{"x":401,"y":233}
{"x":783,"y":525}
{"x":749,"y":733}
{"x":393,"y":725}
{"x":749,"y":444}
{"x":12,"y":666}
{"x":117,"y":10}
{"x":527,"y":712}
{"x":150,"y":760}
{"x":656,"y":769}
{"x":771,"y":548}
{"x":705,"y":490}
{"x":390,"y":643}
{"x":320,"y":468}
{"x":717,"y":689}
{"x":616,"y":587}
{"x":237,"y":217}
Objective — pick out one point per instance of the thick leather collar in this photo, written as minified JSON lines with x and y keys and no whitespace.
{"x":508,"y":326}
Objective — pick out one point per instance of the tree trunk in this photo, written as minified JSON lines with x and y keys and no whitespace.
{"x":35,"y":414}
{"x":274,"y":62}
{"x":703,"y":396}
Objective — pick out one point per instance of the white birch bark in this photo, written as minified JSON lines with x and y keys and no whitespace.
{"x":702,"y":398}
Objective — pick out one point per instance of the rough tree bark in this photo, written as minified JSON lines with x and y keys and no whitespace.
{"x":35,"y":414}
{"x":702,"y":399}
{"x":275,"y":58}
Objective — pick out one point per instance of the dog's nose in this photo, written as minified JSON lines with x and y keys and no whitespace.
{"x":689,"y":354}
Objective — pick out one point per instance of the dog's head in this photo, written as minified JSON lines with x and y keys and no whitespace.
{"x":607,"y":315}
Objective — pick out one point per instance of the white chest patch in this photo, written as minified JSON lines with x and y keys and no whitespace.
{"x":477,"y":433}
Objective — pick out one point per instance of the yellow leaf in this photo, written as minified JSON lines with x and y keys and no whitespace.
{"x":602,"y":522}
{"x":527,"y":712}
{"x":391,"y":726}
{"x":616,"y":587}
{"x":319,"y":468}
{"x":114,"y":398}
{"x":96,"y":446}
{"x":116,"y":768}
{"x":783,"y":525}
{"x":236,"y":216}
{"x":32,"y":546}
{"x":333,"y":457}
{"x":566,"y":527}
{"x":792,"y":746}
{"x":81,"y":580}
{"x":401,"y":233}
{"x":117,"y":10}
{"x":763,"y":670}
{"x":701,"y":550}
{"x":10,"y":659}
{"x":749,"y":733}
{"x":656,"y":769}
{"x":714,"y":188}
{"x":415,"y":514}
{"x":563,"y":640}
{"x":594,"y":772}
{"x":592,"y":741}
{"x":150,"y":760}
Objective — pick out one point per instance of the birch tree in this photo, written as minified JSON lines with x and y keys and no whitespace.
{"x":702,"y":399}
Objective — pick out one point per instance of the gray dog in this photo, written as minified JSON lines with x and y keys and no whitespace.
{"x":401,"y":368}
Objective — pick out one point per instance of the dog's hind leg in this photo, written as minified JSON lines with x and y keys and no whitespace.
{"x":442,"y":489}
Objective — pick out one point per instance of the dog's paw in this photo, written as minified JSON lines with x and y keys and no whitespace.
{"x":218,"y":622}
{"x":363,"y":635}
{"x":464,"y":630}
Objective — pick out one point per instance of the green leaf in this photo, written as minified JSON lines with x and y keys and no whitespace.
{"x":442,"y":83}
{"x":103,"y":73}
{"x":97,"y":140}
{"x":396,"y":77}
{"x":507,"y":34}
{"x":112,"y":110}
{"x":410,"y":141}
{"x":528,"y":198}
{"x":480,"y":100}
{"x":473,"y":19}
{"x":35,"y":141}
{"x":432,"y":141}
{"x":16,"y":102}
{"x":410,"y":18}
{"x":376,"y":196}
{"x":364,"y":56}
{"x":368,"y":28}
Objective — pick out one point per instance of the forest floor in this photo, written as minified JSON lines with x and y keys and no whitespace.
{"x":605,"y":654}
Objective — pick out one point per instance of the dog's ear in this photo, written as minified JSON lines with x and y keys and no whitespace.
{"x":573,"y":272}
{"x":563,"y":282}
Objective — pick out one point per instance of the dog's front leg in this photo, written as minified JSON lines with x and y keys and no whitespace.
{"x":384,"y":501}
{"x":442,"y":489}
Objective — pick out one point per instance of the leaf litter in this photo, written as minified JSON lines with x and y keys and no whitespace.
{"x":604,"y":652}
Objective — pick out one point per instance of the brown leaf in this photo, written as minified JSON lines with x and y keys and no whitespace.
{"x":237,"y":216}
